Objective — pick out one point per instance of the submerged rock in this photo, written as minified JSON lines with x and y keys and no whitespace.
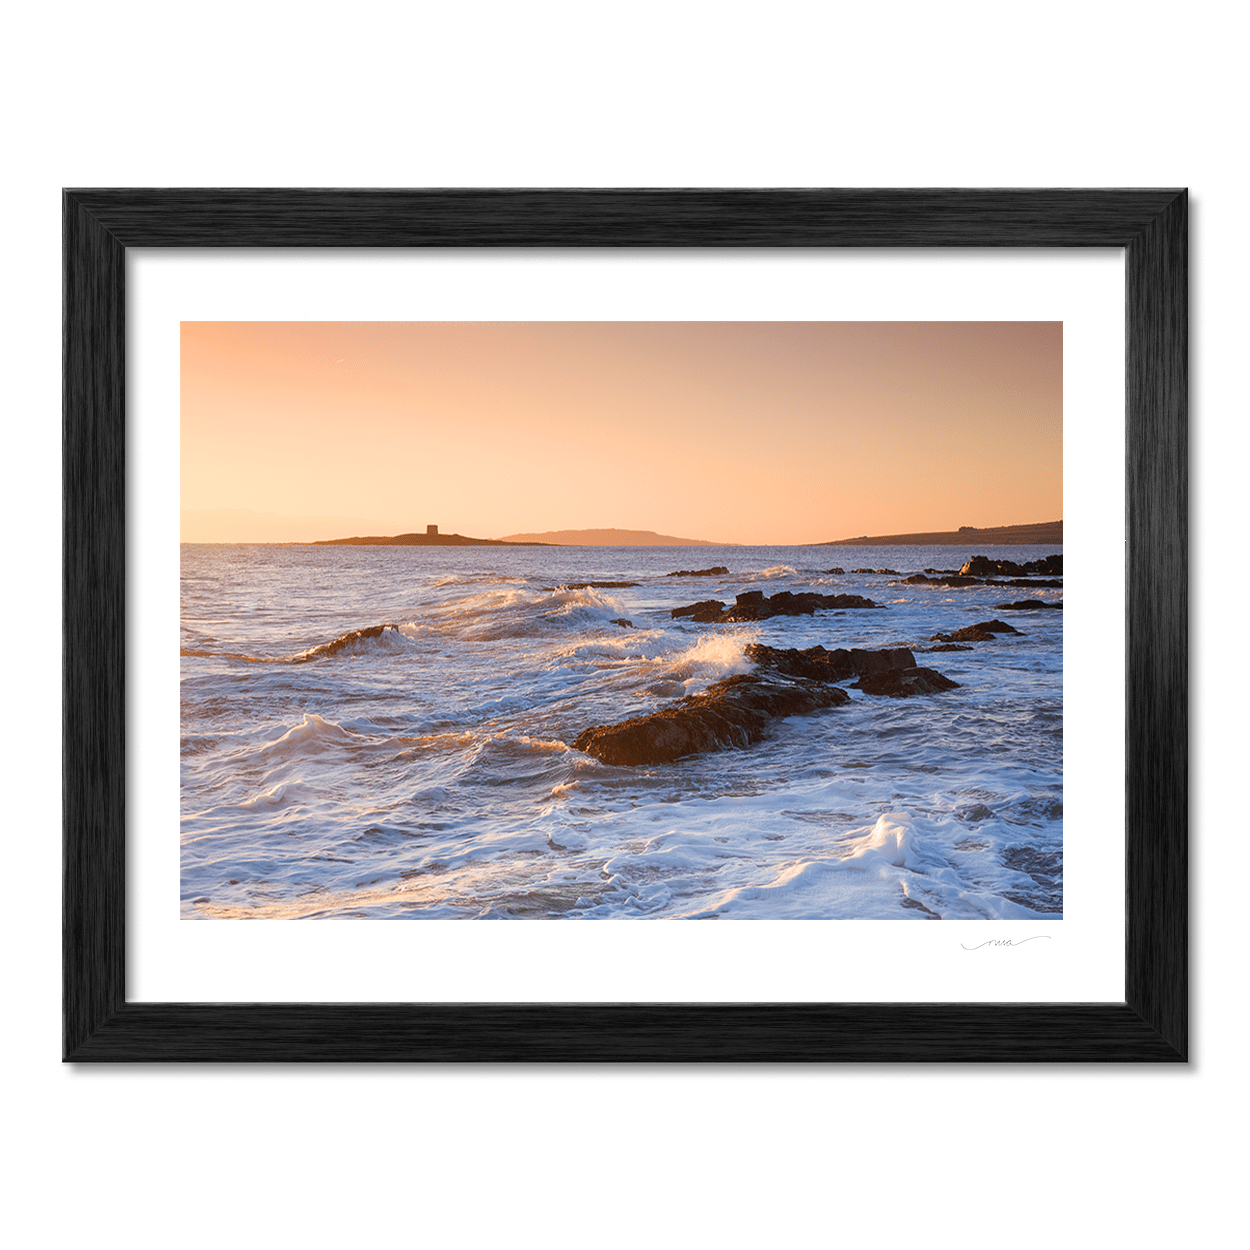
{"x":592,"y":586}
{"x":716,"y":571}
{"x":735,"y":712}
{"x":951,"y":579}
{"x":1026,"y":605}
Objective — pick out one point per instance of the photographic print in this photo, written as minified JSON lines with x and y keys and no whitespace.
{"x":622,"y":620}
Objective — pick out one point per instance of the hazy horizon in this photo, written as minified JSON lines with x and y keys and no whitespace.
{"x":726,"y":432}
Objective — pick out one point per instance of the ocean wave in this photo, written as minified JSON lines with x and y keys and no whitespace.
{"x":503,"y":615}
{"x":899,"y":867}
{"x":371,"y":638}
{"x":312,"y":735}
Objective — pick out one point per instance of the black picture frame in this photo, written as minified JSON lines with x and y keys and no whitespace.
{"x":99,"y":1025}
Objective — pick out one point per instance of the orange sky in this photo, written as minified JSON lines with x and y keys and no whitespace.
{"x":742,"y":432}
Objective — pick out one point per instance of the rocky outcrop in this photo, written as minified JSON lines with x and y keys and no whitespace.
{"x":902,"y":683}
{"x":736,"y":712}
{"x":754,"y":605}
{"x":1026,"y":605}
{"x":983,"y":566}
{"x":716,"y":571}
{"x":835,"y":572}
{"x":982,"y":631}
{"x":704,"y":611}
{"x":732,"y":713}
{"x":818,"y":664}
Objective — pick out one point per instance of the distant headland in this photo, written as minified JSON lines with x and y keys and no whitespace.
{"x":1044,"y":534}
{"x":607,"y":538}
{"x":431,"y":538}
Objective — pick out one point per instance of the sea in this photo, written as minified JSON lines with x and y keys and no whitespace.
{"x":426,"y":771}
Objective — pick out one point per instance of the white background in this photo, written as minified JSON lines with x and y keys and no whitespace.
{"x":651,"y":94}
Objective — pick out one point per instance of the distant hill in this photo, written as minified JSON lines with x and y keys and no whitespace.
{"x":1044,"y":534}
{"x":607,"y":538}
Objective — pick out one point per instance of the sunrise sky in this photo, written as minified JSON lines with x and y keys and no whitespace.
{"x":735,"y":432}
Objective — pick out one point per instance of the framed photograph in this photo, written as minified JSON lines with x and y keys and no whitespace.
{"x":801,"y":786}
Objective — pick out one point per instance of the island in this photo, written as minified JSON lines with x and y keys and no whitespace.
{"x":431,"y":538}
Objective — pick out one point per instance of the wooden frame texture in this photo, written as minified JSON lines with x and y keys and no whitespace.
{"x":100,"y":1025}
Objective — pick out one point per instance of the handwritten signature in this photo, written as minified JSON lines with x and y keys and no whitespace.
{"x":1006,"y":941}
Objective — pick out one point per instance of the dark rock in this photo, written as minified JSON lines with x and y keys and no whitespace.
{"x":731,"y":713}
{"x":1026,"y":605}
{"x":735,"y":712}
{"x":903,"y":683}
{"x":705,"y":610}
{"x":996,"y":627}
{"x":983,"y":566}
{"x":593,"y":585}
{"x":969,"y":633}
{"x":835,"y":572}
{"x":952,"y":579}
{"x":754,"y":605}
{"x":953,"y":646}
{"x":623,"y":623}
{"x":982,"y":631}
{"x":817,"y":664}
{"x":717,"y":571}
